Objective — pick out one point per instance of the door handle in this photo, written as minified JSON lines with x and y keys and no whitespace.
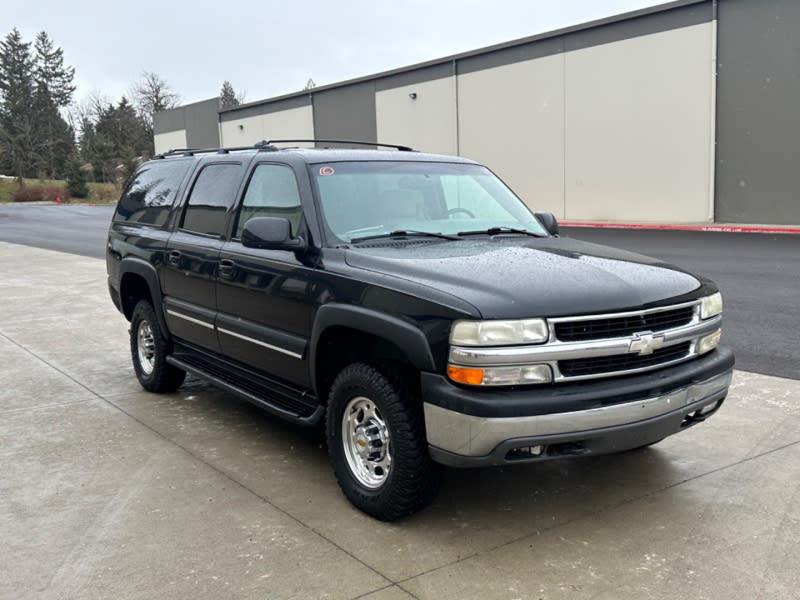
{"x":226,"y":268}
{"x":174,"y":257}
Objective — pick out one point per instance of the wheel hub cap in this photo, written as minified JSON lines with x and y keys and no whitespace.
{"x":145,"y":347}
{"x":366,"y":441}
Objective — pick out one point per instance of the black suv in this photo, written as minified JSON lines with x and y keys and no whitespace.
{"x":411,"y":303}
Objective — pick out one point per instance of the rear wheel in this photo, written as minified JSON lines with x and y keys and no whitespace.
{"x":149,"y":352}
{"x":377,"y":444}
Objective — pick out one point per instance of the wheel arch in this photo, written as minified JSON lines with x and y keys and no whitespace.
{"x":139,"y":281}
{"x":343,"y":334}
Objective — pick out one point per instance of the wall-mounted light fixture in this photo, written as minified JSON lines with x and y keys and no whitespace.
{"x":413,"y":95}
{"x":241,"y":127}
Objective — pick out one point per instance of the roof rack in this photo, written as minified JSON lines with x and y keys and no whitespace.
{"x":267,"y":145}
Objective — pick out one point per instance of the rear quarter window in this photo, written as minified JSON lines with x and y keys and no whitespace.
{"x":151,"y":192}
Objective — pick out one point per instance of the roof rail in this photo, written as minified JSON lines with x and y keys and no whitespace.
{"x":267,"y":145}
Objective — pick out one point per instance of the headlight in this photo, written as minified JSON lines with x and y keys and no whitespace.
{"x":711,"y":306}
{"x":499,"y":333}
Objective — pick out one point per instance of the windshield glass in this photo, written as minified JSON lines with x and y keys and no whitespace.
{"x":365,"y":199}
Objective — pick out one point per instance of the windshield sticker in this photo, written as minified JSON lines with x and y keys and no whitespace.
{"x":326,"y":171}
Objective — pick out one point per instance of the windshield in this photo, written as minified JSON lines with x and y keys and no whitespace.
{"x":366,"y":199}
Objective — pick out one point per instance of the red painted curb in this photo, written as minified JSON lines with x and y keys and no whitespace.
{"x":717,"y":228}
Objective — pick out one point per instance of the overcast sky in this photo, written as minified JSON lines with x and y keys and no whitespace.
{"x":268,"y":48}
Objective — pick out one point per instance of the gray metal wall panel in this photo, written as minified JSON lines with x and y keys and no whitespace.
{"x":667,"y":20}
{"x":346,"y":113}
{"x":202,"y":124}
{"x":415,"y":77}
{"x":615,"y":31}
{"x":511,"y":55}
{"x":758,"y":95}
{"x":265,"y":108}
{"x":169,"y":120}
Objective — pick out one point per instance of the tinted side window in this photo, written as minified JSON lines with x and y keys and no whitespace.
{"x":213,"y":194}
{"x":272,"y":192}
{"x":151,"y":192}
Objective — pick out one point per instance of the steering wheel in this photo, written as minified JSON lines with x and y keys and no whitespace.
{"x":457,"y":210}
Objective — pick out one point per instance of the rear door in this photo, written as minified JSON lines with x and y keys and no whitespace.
{"x":192,"y":255}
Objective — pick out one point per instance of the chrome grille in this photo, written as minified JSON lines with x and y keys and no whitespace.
{"x":604,"y":345}
{"x":581,"y":367}
{"x":611,"y":327}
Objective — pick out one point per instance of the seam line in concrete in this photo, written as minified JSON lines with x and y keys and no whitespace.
{"x":207,"y":464}
{"x":13,"y":411}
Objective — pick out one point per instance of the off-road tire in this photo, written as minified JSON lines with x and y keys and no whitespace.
{"x":149,"y":351}
{"x":412,"y":479}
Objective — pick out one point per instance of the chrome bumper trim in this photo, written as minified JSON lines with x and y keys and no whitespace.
{"x":554,"y":351}
{"x":467,"y":435}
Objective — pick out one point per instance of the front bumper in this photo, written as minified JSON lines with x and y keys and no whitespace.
{"x":465,"y":428}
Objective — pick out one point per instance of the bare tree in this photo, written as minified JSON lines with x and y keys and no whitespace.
{"x":152,"y":94}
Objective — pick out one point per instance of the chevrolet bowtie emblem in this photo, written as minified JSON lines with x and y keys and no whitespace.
{"x":645,"y":342}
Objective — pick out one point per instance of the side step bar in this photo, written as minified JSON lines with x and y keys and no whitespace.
{"x":296,"y":408}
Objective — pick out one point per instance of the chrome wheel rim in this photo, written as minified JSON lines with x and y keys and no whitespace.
{"x":367,"y":445}
{"x":146,"y":347}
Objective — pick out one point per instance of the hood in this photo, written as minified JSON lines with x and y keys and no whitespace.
{"x":511,"y":277}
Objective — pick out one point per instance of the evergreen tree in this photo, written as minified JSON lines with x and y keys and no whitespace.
{"x":16,"y":106}
{"x":54,"y":89}
{"x":33,"y":87}
{"x":115,"y":141}
{"x":50,"y":74}
{"x":227,"y":96}
{"x":76,"y":178}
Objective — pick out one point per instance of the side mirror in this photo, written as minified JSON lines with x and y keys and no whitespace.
{"x":549,"y":221}
{"x":271,"y":233}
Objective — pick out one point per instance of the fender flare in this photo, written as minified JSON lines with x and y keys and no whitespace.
{"x":145,"y":270}
{"x":409,"y":339}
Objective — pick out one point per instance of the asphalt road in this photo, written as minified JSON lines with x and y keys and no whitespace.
{"x":77,"y":229}
{"x":759,"y":274}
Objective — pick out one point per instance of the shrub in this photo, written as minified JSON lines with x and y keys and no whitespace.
{"x":40,"y":193}
{"x":105,"y":195}
{"x":76,"y":178}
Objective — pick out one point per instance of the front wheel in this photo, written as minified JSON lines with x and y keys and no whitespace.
{"x":377,"y":444}
{"x":149,"y":352}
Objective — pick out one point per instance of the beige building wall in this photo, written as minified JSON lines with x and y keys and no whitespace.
{"x":426,"y":123}
{"x":639,"y":137}
{"x":511,"y":118}
{"x":294,"y":123}
{"x":169,"y":140}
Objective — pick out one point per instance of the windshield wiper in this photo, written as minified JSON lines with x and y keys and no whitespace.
{"x":497,"y":230}
{"x":403,"y":233}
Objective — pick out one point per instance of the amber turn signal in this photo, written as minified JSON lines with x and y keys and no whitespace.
{"x":464,"y":375}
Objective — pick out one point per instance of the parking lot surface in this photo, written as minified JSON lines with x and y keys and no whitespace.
{"x":111,"y":492}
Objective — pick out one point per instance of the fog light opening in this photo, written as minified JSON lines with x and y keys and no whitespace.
{"x":708,"y":409}
{"x":523,"y":452}
{"x":709,"y":342}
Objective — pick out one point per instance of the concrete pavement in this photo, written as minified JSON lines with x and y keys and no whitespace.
{"x":110,"y":492}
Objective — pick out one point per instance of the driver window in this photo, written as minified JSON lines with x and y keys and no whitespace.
{"x":271,"y":192}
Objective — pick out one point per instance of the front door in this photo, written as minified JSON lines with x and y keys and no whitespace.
{"x":264,"y":296}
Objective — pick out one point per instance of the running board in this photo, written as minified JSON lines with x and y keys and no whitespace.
{"x":277,"y":399}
